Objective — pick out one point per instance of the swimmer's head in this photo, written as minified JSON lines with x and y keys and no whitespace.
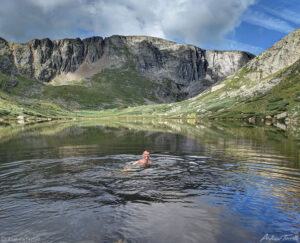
{"x":146,"y":155}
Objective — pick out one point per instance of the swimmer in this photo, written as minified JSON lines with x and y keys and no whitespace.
{"x":145,"y":160}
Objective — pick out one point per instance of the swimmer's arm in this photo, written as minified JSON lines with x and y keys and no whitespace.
{"x":136,"y":162}
{"x":125,"y":169}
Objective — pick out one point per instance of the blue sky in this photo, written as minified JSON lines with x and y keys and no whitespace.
{"x":249,"y":25}
{"x":265,"y":23}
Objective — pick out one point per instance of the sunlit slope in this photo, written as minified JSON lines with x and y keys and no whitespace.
{"x":114,"y":87}
{"x":268,"y":85}
{"x":11,"y":109}
{"x":111,"y":88}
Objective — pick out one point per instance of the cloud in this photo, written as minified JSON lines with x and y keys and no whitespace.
{"x":47,"y":5}
{"x":267,"y":22}
{"x":198,"y":22}
{"x":204,"y":21}
{"x":22,"y":21}
{"x":287,"y":14}
{"x":236,"y":45}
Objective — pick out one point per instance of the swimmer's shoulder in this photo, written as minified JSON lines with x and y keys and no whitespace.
{"x":137,"y":162}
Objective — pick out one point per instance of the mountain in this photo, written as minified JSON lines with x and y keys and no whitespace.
{"x":266,"y":87}
{"x":117,"y":71}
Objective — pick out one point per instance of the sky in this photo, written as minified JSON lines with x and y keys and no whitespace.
{"x":247,"y":25}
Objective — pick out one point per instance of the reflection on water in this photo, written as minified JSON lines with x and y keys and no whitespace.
{"x":208,"y":182}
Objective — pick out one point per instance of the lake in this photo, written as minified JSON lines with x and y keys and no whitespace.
{"x":209,"y":182}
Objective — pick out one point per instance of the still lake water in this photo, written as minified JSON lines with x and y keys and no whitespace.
{"x":209,"y":182}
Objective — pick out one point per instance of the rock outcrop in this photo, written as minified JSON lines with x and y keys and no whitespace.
{"x":267,"y":87}
{"x":6,"y":58}
{"x":190,"y":69}
{"x":193,"y":69}
{"x":282,"y":54}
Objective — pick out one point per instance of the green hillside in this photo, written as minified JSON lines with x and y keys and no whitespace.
{"x":111,"y":88}
{"x":266,"y":87}
{"x":227,"y":100}
{"x":56,"y":101}
{"x":125,"y":83}
{"x":11,"y":109}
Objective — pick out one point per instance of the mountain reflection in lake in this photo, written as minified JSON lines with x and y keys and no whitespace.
{"x":63,"y":182}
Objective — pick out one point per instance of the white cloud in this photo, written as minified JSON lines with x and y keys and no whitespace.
{"x":198,"y":22}
{"x":236,"y":45}
{"x":203,"y":21}
{"x":268,"y":22}
{"x":48,"y":5}
{"x":287,"y":14}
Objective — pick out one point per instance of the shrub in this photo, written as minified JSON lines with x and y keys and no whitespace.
{"x":277,"y":106}
{"x":4,"y":112}
{"x":275,"y":99}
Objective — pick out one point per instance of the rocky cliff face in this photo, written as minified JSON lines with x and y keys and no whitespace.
{"x":193,"y":69}
{"x":266,"y":87}
{"x":189,"y":69}
{"x":6,"y":58}
{"x":282,"y":54}
{"x":45,"y":59}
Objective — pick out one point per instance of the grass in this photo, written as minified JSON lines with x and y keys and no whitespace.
{"x":11,"y":109}
{"x":218,"y":104}
{"x":111,"y":88}
{"x":282,"y":97}
{"x":126,"y":84}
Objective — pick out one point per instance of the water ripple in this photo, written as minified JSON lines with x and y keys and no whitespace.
{"x":32,"y":190}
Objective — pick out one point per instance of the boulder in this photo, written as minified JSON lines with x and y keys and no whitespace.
{"x":281,"y":115}
{"x":251,"y":119}
{"x":12,"y":83}
{"x":287,"y":120}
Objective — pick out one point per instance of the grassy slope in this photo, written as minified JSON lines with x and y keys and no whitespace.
{"x":111,"y":88}
{"x":285,"y":96}
{"x":226,"y":102}
{"x":11,"y":107}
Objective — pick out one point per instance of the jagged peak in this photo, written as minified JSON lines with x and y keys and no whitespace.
{"x":3,"y":40}
{"x":282,"y":54}
{"x":290,"y":39}
{"x":46,"y":59}
{"x":159,"y":42}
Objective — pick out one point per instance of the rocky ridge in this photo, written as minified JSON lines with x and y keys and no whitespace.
{"x":267,"y":88}
{"x":190,"y":69}
{"x":282,"y":54}
{"x":260,"y":72}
